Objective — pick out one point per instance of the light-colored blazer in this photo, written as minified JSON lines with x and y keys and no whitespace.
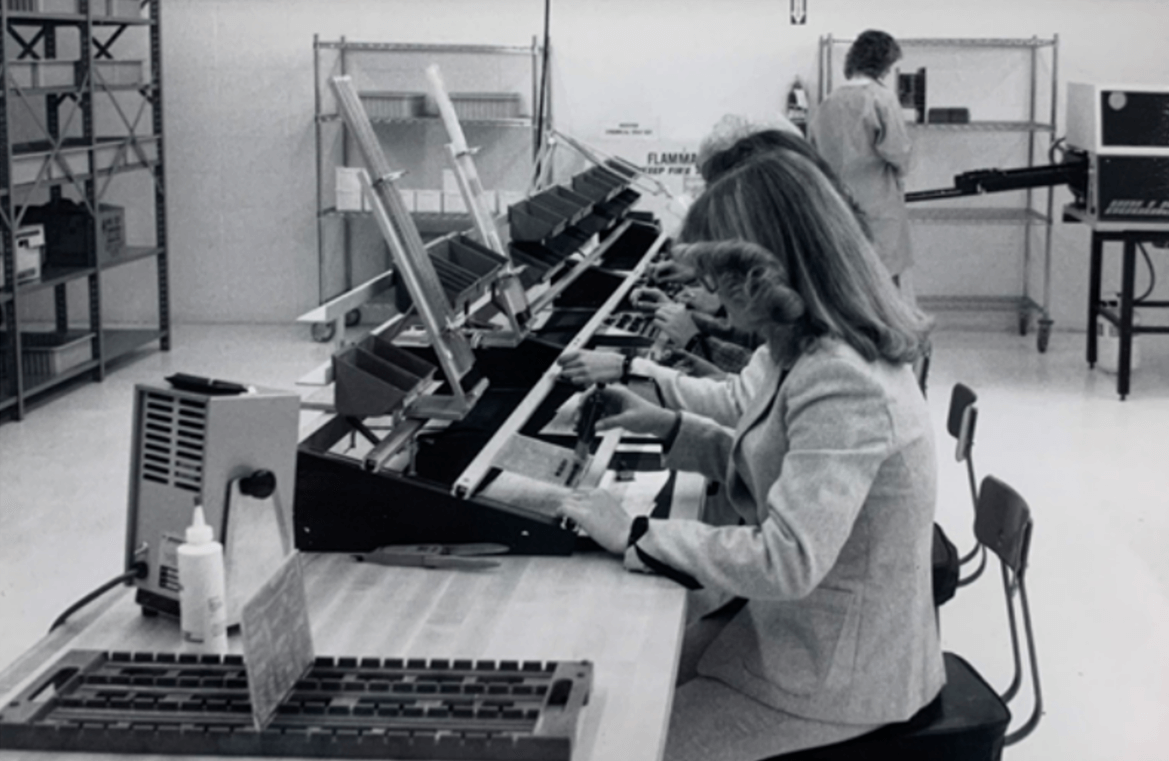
{"x":860,"y":132}
{"x":833,"y":474}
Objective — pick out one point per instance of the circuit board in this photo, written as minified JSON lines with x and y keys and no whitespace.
{"x":171,"y":703}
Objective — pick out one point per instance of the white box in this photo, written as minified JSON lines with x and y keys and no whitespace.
{"x":428,"y":200}
{"x":350,"y":196}
{"x":118,"y":72}
{"x":30,"y":252}
{"x":453,"y":203}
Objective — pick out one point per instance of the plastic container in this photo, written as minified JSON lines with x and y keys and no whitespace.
{"x":392,"y":105}
{"x":202,"y":594}
{"x":49,"y":354}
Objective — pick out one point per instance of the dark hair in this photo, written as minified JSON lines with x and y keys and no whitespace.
{"x":752,"y":144}
{"x":780,"y":201}
{"x":872,"y":53}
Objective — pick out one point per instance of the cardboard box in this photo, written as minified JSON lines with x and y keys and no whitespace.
{"x":350,"y":196}
{"x":30,"y":251}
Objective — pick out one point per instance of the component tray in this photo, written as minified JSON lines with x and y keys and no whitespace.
{"x":168,"y":703}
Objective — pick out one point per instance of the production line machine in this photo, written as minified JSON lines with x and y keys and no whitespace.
{"x":452,"y":424}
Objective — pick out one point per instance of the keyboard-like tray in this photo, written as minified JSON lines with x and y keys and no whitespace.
{"x":169,"y":703}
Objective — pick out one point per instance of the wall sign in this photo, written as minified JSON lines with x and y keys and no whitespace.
{"x":799,"y":12}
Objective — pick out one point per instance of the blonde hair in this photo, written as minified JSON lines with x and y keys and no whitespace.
{"x":782,"y":205}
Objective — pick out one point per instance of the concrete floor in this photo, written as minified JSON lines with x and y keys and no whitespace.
{"x":1094,"y":470}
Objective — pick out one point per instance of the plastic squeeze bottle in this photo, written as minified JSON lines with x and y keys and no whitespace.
{"x":202,"y":597}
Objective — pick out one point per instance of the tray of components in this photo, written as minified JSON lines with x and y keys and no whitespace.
{"x":402,"y":708}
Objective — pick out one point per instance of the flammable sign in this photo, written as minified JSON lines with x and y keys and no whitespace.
{"x":799,"y":12}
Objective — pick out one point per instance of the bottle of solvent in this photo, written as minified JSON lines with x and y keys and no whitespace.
{"x":202,"y":597}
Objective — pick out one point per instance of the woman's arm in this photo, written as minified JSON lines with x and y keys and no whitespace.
{"x":839,"y":434}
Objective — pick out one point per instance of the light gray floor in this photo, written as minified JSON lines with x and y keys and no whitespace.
{"x":1095,"y":471}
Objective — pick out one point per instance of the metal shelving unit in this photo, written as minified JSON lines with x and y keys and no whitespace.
{"x":1038,"y":121}
{"x":71,"y":160}
{"x":351,"y":251}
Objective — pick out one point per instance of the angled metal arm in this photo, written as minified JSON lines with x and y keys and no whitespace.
{"x":411,"y":262}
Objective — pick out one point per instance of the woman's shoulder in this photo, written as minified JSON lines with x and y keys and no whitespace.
{"x":832,"y":359}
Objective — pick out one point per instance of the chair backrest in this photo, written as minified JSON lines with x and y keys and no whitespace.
{"x":960,"y":424}
{"x":962,"y":419}
{"x":1002,"y":524}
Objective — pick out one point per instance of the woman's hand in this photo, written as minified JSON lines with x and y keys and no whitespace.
{"x":601,"y":516}
{"x":699,"y":299}
{"x":670,"y":271}
{"x":673,"y":320}
{"x":648,"y":299}
{"x":584,"y":367}
{"x":624,"y":409}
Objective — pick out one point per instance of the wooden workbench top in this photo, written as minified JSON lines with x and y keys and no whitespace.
{"x":583,"y":607}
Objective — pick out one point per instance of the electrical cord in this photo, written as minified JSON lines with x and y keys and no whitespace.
{"x":1152,"y":275}
{"x":137,"y":571}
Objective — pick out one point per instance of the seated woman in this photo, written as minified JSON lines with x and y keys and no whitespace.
{"x":825,"y":450}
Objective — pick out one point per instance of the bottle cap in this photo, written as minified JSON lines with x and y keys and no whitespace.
{"x":198,"y":532}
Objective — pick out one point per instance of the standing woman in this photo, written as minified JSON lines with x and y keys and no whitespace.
{"x":824,"y":446}
{"x":860,"y":132}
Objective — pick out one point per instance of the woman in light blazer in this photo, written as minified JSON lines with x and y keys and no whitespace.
{"x":824,"y":447}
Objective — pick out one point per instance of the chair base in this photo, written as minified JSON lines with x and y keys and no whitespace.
{"x":966,"y":722}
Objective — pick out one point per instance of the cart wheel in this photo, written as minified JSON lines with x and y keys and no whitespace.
{"x":353,"y":317}
{"x":323,"y":332}
{"x":1024,"y":323}
{"x":1043,"y":335}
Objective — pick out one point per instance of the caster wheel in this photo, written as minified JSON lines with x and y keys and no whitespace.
{"x":323,"y":332}
{"x":352,"y":317}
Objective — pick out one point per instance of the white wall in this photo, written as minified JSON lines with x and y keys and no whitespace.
{"x":239,"y":103}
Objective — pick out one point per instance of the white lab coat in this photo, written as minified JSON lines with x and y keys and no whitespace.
{"x":860,"y":132}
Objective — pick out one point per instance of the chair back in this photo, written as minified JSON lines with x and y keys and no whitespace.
{"x":1002,"y":524}
{"x":962,"y":419}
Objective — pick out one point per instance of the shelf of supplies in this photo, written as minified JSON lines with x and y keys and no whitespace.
{"x":518,"y":121}
{"x":34,"y":384}
{"x":424,"y":48}
{"x":987,"y":126}
{"x":144,"y":87}
{"x":982,"y":216}
{"x":120,"y":342}
{"x":54,"y":276}
{"x":31,"y":18}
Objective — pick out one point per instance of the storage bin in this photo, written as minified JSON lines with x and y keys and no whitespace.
{"x":118,"y":72}
{"x":22,"y":73}
{"x":70,"y":236}
{"x":43,"y":6}
{"x":485,"y":105}
{"x":118,"y":8}
{"x":42,"y":73}
{"x":392,"y":105}
{"x":48,"y":354}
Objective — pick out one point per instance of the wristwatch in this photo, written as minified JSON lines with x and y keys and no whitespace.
{"x":637,"y":530}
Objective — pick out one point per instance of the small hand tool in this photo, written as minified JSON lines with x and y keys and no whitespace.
{"x":458,"y":556}
{"x":591,"y":409}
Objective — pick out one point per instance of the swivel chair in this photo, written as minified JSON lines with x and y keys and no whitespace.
{"x":968,"y":721}
{"x":960,"y":423}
